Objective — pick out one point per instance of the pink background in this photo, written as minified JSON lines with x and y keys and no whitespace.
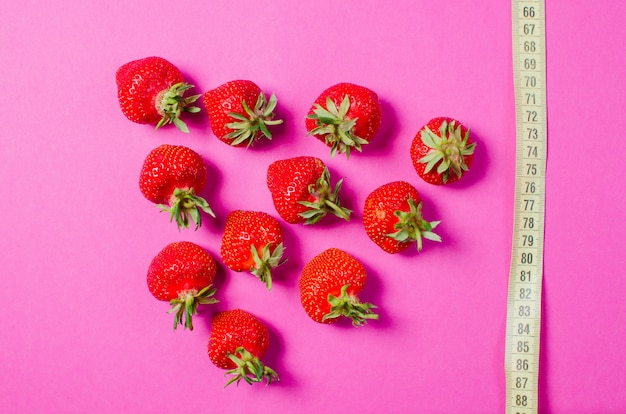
{"x":80,"y":331}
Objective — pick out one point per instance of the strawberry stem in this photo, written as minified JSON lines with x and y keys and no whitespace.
{"x":253,"y":124}
{"x":171,"y":103}
{"x":249,"y":368}
{"x":337,"y":129}
{"x":263,"y":265}
{"x":326,"y":200}
{"x":412,"y":227}
{"x":186,"y":305}
{"x":447,"y":150}
{"x":351,"y":307}
{"x":185,"y":208}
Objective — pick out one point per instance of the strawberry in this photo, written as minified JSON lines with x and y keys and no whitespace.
{"x":329,"y":286}
{"x":392,"y":217}
{"x":301,"y":190}
{"x":239,"y":114}
{"x":151,"y":91}
{"x":442,"y":151}
{"x":252,"y":241}
{"x":345,"y":117}
{"x":237,"y":342}
{"x":182,"y":273}
{"x":172,"y":176}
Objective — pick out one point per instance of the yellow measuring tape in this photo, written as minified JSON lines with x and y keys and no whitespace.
{"x":524,"y":294}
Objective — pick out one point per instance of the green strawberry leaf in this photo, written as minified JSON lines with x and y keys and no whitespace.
{"x":186,"y":208}
{"x":172,"y":104}
{"x":350,"y":307}
{"x":412,"y":227}
{"x":186,"y":305}
{"x":336,"y":128}
{"x":447,"y":151}
{"x":252,"y":124}
{"x":249,"y":368}
{"x":270,"y":260}
{"x":326,"y":200}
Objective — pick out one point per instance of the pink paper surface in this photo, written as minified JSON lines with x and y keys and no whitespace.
{"x":81,"y":332}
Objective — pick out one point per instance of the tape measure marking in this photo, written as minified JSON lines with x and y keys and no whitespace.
{"x":526,"y":272}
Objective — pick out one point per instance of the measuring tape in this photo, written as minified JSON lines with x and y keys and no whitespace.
{"x":524,"y":296}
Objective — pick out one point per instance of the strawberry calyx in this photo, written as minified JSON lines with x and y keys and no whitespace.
{"x":254,"y":123}
{"x":265,"y":263}
{"x":412,"y":227}
{"x":349,"y":306}
{"x":326,"y":200}
{"x":336,"y":128}
{"x":186,"y":305}
{"x":249,"y":368}
{"x":447,"y":150}
{"x":185,"y":206}
{"x":170,"y":104}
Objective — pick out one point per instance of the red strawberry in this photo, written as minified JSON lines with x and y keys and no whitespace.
{"x":301,"y":190}
{"x":345,"y":117}
{"x":252,"y":241}
{"x":442,"y":151}
{"x":173,"y":175}
{"x":392,"y":217}
{"x":182,"y":273}
{"x":151,"y":91}
{"x":239,"y":113}
{"x":237,"y":343}
{"x":329,"y":286}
